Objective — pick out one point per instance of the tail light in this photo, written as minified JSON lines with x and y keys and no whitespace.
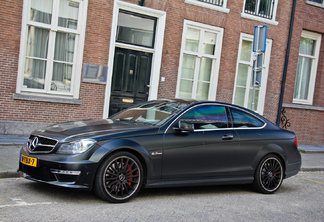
{"x":295,"y":141}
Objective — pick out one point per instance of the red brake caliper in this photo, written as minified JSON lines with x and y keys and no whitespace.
{"x":130,"y":170}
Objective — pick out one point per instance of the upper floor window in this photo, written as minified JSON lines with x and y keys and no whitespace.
{"x":260,"y":10}
{"x":51,"y":46}
{"x":319,"y":3}
{"x":218,"y":5}
{"x":199,"y":61}
{"x":307,"y":67}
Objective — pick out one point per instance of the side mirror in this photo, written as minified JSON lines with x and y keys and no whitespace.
{"x":184,"y":127}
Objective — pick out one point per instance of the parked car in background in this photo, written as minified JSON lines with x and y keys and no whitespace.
{"x":162,"y":143}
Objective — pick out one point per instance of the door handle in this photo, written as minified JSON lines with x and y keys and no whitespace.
{"x":227,"y":137}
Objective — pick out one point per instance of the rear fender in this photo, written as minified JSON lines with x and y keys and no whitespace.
{"x":270,"y":149}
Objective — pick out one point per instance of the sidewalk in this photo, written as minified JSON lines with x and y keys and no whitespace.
{"x":312,"y":156}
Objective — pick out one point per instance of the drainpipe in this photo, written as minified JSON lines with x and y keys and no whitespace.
{"x":283,"y":83}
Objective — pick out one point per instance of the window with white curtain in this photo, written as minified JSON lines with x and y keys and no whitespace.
{"x":51,"y":47}
{"x":243,"y":89}
{"x":307,"y":67}
{"x":199,"y":61}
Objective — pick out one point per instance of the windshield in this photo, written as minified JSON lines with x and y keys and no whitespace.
{"x":151,"y":113}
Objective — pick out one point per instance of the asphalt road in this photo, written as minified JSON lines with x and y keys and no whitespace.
{"x":299,"y":199}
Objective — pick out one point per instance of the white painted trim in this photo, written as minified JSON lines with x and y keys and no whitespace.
{"x":315,"y":4}
{"x":209,"y":6}
{"x":157,"y":51}
{"x":216,"y":58}
{"x":78,"y":53}
{"x":311,"y":89}
{"x":265,"y":72}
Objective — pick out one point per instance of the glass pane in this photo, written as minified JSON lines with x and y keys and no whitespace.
{"x":250,"y":5}
{"x":192,"y":40}
{"x":188,"y":66}
{"x":185,"y":91}
{"x":202,"y":91}
{"x":307,"y":46}
{"x":242,"y":119}
{"x":265,"y":7}
{"x":242,"y":75}
{"x":34,"y":76}
{"x":135,"y":29}
{"x":246,"y":51}
{"x":37,"y":42}
{"x":68,"y":14}
{"x":64,"y":47}
{"x":207,"y":117}
{"x":298,"y":76}
{"x":205,"y":69}
{"x":209,"y":43}
{"x":41,"y":11}
{"x":239,"y":96}
{"x":307,"y":66}
{"x":61,"y":80}
{"x":256,"y":98}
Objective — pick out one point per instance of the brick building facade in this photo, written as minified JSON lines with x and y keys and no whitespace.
{"x":187,"y":36}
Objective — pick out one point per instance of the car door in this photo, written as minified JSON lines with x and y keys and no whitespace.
{"x":205,"y":152}
{"x":253,"y":137}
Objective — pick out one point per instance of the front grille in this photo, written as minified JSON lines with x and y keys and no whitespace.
{"x":40,"y":144}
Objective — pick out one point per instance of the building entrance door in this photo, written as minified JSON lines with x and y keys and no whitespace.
{"x":130,"y":80}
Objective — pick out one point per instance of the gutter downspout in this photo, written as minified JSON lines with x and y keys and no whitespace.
{"x":283,"y":83}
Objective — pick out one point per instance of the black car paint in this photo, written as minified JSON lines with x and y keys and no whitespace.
{"x":165,"y":166}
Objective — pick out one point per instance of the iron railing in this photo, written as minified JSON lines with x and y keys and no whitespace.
{"x":213,"y":2}
{"x":260,"y":8}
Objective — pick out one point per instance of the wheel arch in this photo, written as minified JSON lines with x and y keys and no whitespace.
{"x":124,"y":145}
{"x":271,"y":149}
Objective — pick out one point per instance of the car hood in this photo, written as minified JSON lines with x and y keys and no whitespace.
{"x":97,"y":129}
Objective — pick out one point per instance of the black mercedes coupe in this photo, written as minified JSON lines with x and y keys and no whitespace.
{"x":162,"y":143}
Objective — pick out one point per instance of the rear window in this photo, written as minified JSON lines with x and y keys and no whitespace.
{"x":242,"y":119}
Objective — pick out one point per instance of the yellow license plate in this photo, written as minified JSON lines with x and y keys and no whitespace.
{"x":30,"y":161}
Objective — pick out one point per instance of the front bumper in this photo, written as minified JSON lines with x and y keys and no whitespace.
{"x":60,"y":172}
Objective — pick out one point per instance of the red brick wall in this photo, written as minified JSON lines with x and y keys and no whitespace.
{"x":308,"y":124}
{"x":96,"y":52}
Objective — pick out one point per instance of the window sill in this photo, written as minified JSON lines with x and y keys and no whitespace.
{"x":315,"y":4}
{"x":299,"y":106}
{"x":259,"y":19}
{"x":18,"y":96}
{"x":209,"y":6}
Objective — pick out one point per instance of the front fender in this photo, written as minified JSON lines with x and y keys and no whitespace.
{"x":126,"y":145}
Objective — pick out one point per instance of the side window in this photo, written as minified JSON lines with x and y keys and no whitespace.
{"x":207,"y":117}
{"x":242,"y":119}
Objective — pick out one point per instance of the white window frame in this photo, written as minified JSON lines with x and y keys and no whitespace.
{"x":53,"y":28}
{"x":317,"y":37}
{"x":260,"y":19}
{"x":216,"y":57}
{"x":210,"y":6}
{"x":321,"y":5}
{"x":264,"y":79}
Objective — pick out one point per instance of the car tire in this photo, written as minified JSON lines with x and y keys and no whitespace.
{"x":119,"y":178}
{"x":268,"y":176}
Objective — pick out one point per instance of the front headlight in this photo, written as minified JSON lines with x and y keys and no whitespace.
{"x":76,"y":147}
